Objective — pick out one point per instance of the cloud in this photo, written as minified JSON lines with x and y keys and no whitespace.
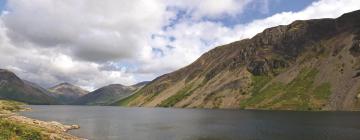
{"x":94,"y":43}
{"x":198,"y":9}
{"x":47,"y":67}
{"x":92,"y":30}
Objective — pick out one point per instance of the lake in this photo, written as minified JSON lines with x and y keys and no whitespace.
{"x":119,"y":123}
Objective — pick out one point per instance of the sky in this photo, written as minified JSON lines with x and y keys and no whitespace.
{"x":92,"y":43}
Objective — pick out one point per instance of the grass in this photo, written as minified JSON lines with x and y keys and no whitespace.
{"x":127,"y":100}
{"x":180,"y":95}
{"x":296,"y":92}
{"x":297,"y":95}
{"x":323,"y":91}
{"x":10,"y":105}
{"x":14,"y":131}
{"x":258,"y":83}
{"x":267,"y":93}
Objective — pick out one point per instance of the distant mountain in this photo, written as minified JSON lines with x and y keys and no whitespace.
{"x":67,"y":93}
{"x":109,"y":94}
{"x":13,"y":88}
{"x":307,"y":65}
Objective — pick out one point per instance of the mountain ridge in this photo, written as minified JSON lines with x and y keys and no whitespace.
{"x":14,"y":88}
{"x":108,"y":94}
{"x":67,"y":93}
{"x":283,"y":67}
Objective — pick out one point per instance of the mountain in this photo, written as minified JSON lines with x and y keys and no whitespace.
{"x":307,"y":65}
{"x":141,"y":84}
{"x":67,"y":93}
{"x":108,"y":94}
{"x":13,"y":88}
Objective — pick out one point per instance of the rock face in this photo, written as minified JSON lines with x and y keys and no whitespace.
{"x":108,"y":94}
{"x":13,"y":88}
{"x":307,"y":65}
{"x":67,"y":93}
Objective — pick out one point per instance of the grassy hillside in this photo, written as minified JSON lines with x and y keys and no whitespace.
{"x":109,"y":94}
{"x":25,"y":94}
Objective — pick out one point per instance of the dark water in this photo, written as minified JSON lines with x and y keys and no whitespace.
{"x":117,"y":123}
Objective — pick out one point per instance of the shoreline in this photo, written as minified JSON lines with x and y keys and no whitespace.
{"x":49,"y":130}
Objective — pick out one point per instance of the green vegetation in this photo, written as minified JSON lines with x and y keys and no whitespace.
{"x":323,"y":91}
{"x":299,"y":94}
{"x":127,"y":100}
{"x":258,"y":83}
{"x":10,"y":106}
{"x":13,"y":131}
{"x":180,"y":95}
{"x":267,"y":93}
{"x":18,"y":93}
{"x":297,"y":91}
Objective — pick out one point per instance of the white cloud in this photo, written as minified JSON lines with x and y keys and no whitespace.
{"x":93,"y":30}
{"x":48,"y":67}
{"x":198,"y":9}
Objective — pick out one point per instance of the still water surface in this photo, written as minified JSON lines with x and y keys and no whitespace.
{"x":118,"y":123}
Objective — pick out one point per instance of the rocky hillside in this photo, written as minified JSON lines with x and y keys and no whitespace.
{"x":67,"y":93}
{"x":108,"y":94}
{"x":307,"y":65}
{"x":13,"y":88}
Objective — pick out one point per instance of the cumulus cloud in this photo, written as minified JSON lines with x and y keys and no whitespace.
{"x":47,"y":66}
{"x":93,"y":43}
{"x":92,"y":30}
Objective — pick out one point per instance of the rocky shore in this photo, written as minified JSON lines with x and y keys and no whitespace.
{"x":35,"y":129}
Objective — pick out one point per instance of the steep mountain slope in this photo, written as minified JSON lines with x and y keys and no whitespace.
{"x":307,"y":65}
{"x":67,"y":93}
{"x":13,"y":88}
{"x":108,"y":94}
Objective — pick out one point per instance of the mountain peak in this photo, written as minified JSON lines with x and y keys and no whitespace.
{"x":68,"y":90}
{"x":8,"y":76}
{"x":14,"y":88}
{"x":66,"y":83}
{"x":108,"y":94}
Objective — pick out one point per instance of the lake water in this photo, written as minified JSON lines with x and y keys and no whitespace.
{"x":118,"y":123}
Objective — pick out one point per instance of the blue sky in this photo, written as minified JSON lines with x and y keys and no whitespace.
{"x":2,"y":4}
{"x":254,"y":11}
{"x":257,"y":10}
{"x":94,"y":43}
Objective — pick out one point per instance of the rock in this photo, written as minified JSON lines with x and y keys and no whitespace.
{"x":75,"y":126}
{"x":355,"y":47}
{"x":258,"y":67}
